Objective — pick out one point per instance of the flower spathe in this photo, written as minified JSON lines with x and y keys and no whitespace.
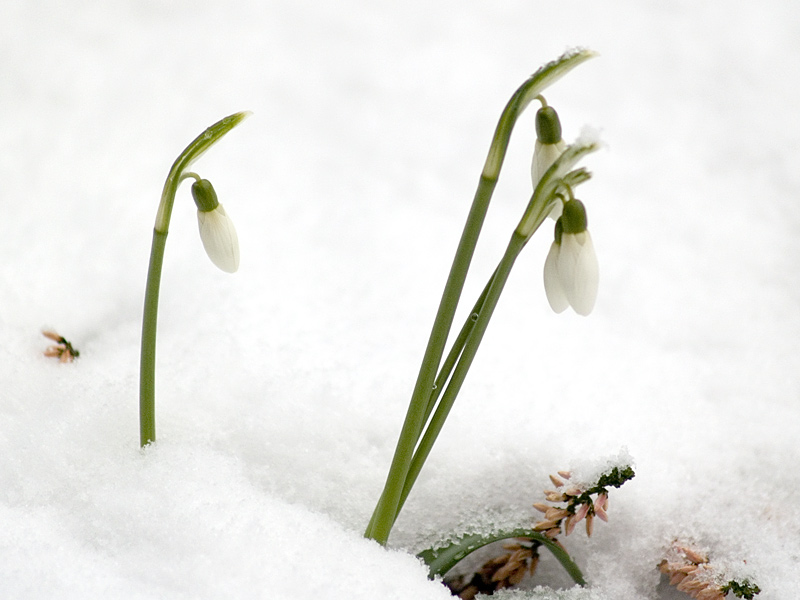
{"x":571,"y":272}
{"x":219,"y":238}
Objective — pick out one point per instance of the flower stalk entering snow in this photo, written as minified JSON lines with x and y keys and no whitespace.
{"x":441,"y":376}
{"x":219,"y":239}
{"x":571,"y":273}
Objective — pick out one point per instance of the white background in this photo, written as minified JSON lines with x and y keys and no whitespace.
{"x":281,"y":389}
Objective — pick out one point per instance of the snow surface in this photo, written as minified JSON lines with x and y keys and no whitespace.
{"x":281,"y":389}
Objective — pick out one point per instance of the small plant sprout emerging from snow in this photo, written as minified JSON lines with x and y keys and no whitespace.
{"x":582,"y":503}
{"x":691,"y":572}
{"x":571,"y":273}
{"x":62,"y":349}
{"x":219,"y":240}
{"x":441,"y":374}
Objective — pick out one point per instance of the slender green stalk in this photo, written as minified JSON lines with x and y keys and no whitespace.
{"x":473,"y":341}
{"x":456,"y":348}
{"x":441,"y":560}
{"x":147,"y":382}
{"x":147,"y":376}
{"x":389,"y":503}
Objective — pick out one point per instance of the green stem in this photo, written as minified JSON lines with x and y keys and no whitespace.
{"x":441,"y":560}
{"x":386,"y":510}
{"x":147,"y":369}
{"x":496,"y":286}
{"x":389,"y":504}
{"x":456,"y":349}
{"x":147,"y":384}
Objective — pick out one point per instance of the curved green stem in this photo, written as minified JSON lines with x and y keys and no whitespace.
{"x":448,"y":398}
{"x":441,"y":560}
{"x":147,"y":366}
{"x":389,"y":503}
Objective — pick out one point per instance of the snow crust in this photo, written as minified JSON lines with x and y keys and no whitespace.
{"x":281,"y":389}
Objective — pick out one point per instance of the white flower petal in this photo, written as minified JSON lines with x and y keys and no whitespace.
{"x":579,"y":271}
{"x":219,"y":238}
{"x":552,"y":281}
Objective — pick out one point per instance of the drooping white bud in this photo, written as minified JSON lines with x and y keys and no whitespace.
{"x":579,"y":271}
{"x":552,"y":281}
{"x":216,"y":229}
{"x":219,"y":238}
{"x":549,"y":146}
{"x":571,"y":272}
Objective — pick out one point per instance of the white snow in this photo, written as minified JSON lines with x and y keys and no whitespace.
{"x":281,"y":389}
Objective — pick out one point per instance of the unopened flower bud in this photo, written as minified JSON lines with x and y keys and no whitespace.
{"x":549,"y":146}
{"x":204,"y":195}
{"x":216,"y":230}
{"x":571,"y":273}
{"x":548,"y":125}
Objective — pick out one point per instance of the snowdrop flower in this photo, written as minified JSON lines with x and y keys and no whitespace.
{"x":216,"y":229}
{"x":570,"y":270}
{"x":549,"y":147}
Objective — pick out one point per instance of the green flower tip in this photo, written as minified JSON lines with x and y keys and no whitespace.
{"x":573,"y":218}
{"x":204,"y":195}
{"x":548,"y":125}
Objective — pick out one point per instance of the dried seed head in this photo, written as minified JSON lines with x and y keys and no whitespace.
{"x":711,"y":594}
{"x":589,"y":525}
{"x":676,"y":578}
{"x":569,"y":524}
{"x":553,"y":496}
{"x":544,"y":525}
{"x":693,"y":555}
{"x":541,"y":507}
{"x":691,"y":584}
{"x":63,"y":350}
{"x":534,"y":563}
{"x":600,"y":513}
{"x":556,"y":481}
{"x":553,"y":533}
{"x":565,"y":474}
{"x":555,"y":514}
{"x":582,"y":511}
